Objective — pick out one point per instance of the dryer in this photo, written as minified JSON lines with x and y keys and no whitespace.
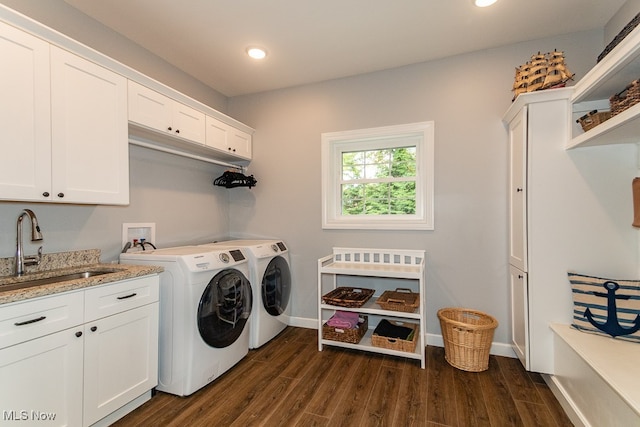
{"x":205,"y":305}
{"x":270,"y":277}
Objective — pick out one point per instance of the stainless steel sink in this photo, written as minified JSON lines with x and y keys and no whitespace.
{"x":55,"y":279}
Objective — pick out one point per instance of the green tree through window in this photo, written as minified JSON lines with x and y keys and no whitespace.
{"x":379,"y":182}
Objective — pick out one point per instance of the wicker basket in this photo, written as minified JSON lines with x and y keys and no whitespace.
{"x":593,"y":119}
{"x":629,"y":97}
{"x":352,"y":336}
{"x":467,"y":337}
{"x":397,"y":343}
{"x":402,"y":299}
{"x":347,"y":297}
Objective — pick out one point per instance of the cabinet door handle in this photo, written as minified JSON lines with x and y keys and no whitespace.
{"x":177,"y":130}
{"x":27,"y":322}
{"x":519,"y":190}
{"x":45,"y":194}
{"x":169,"y":128}
{"x":79,"y":334}
{"x":61,"y":195}
{"x":128,"y":296}
{"x":94,"y":328}
{"x":520,"y":276}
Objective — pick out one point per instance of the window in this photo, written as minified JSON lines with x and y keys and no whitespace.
{"x":380,"y":178}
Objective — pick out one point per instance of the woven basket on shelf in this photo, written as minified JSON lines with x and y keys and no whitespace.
{"x":593,"y":119}
{"x":629,"y":97}
{"x":402,"y":299}
{"x":352,"y":336}
{"x":397,"y":343}
{"x":467,"y":336}
{"x":347,"y":297}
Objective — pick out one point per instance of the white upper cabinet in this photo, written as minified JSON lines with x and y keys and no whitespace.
{"x":25,"y":116}
{"x":163,"y":114}
{"x":63,"y":125}
{"x":90,"y":151}
{"x":226,"y":138}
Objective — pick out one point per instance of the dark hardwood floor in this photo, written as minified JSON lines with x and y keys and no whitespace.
{"x":288,"y":382}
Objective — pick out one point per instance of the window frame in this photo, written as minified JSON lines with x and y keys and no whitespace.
{"x":333,"y":144}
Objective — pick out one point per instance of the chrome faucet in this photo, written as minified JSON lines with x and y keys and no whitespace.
{"x":36,"y":236}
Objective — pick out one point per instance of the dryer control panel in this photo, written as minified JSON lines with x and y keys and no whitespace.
{"x":214,"y":260}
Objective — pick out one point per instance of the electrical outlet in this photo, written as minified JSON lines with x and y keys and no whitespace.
{"x":137,"y":231}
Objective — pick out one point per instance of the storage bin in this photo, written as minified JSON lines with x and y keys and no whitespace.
{"x":402,"y":299}
{"x":408,"y":345}
{"x":467,"y":336}
{"x":352,"y":336}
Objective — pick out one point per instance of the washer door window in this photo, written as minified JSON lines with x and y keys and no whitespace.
{"x":276,"y":286}
{"x":224,"y":308}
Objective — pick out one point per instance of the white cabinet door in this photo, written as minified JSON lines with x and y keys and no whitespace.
{"x":518,"y":190}
{"x":25,"y":116}
{"x":120,"y":360}
{"x":42,"y":380}
{"x":519,"y":315}
{"x":188,"y":123}
{"x":228,"y":139}
{"x":90,"y":149}
{"x":240,"y":143}
{"x":149,"y":108}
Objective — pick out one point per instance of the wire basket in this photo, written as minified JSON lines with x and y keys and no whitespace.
{"x":467,"y":336}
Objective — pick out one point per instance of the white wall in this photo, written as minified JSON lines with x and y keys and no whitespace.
{"x":466,"y":96}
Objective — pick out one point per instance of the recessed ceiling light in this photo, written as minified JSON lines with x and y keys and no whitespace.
{"x":256,"y":52}
{"x":484,"y":3}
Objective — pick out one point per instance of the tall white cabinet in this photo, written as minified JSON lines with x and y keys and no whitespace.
{"x":563,"y":216}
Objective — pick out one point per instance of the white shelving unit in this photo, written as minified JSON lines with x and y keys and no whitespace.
{"x":375,"y":266}
{"x":611,"y":75}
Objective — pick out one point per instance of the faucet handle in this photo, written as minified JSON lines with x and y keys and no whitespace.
{"x":34,"y":259}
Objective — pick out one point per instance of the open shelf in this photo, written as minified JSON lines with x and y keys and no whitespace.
{"x":377,"y":265}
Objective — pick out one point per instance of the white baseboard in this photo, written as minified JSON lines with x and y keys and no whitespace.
{"x":497,"y":349}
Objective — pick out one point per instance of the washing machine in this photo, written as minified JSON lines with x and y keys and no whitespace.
{"x":205,"y":306}
{"x":270,"y":277}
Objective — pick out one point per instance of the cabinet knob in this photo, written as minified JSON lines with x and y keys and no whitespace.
{"x":177,"y":130}
{"x":94,"y":328}
{"x":45,"y":194}
{"x":61,"y":195}
{"x":79,"y":334}
{"x":520,"y":276}
{"x":519,"y":190}
{"x":169,"y":128}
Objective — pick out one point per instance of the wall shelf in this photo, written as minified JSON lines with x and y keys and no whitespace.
{"x":608,"y":77}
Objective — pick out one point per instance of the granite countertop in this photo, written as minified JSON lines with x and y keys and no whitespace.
{"x":63,"y":263}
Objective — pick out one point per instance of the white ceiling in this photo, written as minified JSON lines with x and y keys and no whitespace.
{"x":310,"y":41}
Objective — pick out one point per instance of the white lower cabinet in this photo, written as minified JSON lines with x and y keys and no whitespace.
{"x":42,"y":380}
{"x":120,"y":360}
{"x":86,"y":374}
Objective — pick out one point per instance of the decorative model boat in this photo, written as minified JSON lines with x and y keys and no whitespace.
{"x":543,"y":71}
